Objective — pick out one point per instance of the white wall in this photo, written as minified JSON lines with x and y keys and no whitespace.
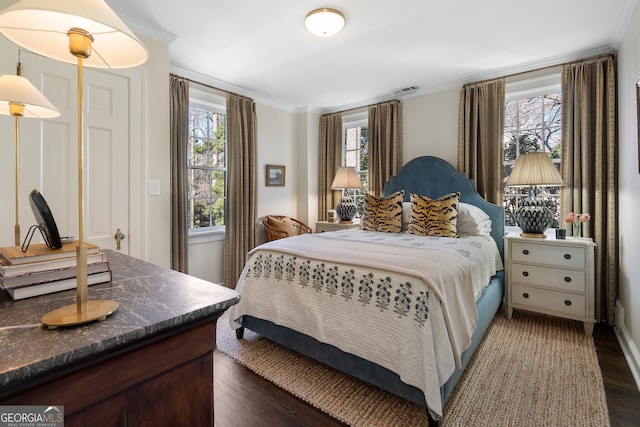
{"x":629,"y":193}
{"x":156,"y":156}
{"x":431,"y":126}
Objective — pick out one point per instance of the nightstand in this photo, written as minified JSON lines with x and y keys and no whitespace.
{"x":551,"y":276}
{"x":322,"y":226}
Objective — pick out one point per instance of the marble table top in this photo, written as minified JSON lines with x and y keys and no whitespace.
{"x":152,"y":299}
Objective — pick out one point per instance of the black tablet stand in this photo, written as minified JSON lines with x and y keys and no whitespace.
{"x":29,"y":236}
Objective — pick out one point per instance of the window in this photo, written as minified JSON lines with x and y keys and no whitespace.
{"x":533,"y":122}
{"x":356,"y":153}
{"x":207,"y":162}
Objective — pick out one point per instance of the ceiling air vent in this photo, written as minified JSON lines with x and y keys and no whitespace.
{"x":405,"y":90}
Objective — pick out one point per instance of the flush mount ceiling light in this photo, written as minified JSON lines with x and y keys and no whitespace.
{"x":324,"y":22}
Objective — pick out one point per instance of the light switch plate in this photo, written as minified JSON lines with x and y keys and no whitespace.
{"x":154,"y":187}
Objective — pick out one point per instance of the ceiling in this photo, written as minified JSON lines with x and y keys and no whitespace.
{"x":260,"y":48}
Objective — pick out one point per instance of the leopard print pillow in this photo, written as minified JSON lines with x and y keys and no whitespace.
{"x":434,"y":217}
{"x":383,"y":214}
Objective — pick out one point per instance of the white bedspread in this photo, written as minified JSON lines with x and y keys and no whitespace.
{"x":404,"y":302}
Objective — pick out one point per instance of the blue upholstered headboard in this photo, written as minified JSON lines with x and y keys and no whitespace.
{"x":433,"y":177}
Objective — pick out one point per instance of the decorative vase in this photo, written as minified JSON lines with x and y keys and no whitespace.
{"x":577,"y":228}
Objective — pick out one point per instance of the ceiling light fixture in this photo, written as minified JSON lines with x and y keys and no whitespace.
{"x":324,"y":22}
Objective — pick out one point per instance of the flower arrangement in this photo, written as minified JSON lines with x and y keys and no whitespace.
{"x":577,"y":220}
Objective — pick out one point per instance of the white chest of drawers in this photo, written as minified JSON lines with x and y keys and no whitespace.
{"x":551,"y":276}
{"x":323,"y":226}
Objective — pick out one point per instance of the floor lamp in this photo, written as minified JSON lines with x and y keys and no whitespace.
{"x":20,"y":98}
{"x":89,"y":33}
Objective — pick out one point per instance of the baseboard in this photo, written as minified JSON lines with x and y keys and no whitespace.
{"x":629,"y":349}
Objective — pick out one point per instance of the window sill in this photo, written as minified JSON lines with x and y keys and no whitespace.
{"x":200,"y":237}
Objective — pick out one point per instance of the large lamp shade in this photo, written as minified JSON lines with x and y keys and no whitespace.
{"x":42,"y":26}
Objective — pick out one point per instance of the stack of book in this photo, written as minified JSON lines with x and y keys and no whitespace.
{"x":41,"y":270}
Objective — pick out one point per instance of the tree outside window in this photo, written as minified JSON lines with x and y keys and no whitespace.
{"x":532,"y":124}
{"x":206,"y":169}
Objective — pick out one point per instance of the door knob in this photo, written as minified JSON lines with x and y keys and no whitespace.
{"x":119,"y":236}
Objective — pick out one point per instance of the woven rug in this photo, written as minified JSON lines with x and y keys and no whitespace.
{"x":532,"y":370}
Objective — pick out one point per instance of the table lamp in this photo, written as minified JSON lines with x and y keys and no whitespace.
{"x":534,"y":170}
{"x":346,"y":178}
{"x":86,"y":32}
{"x":20,"y":98}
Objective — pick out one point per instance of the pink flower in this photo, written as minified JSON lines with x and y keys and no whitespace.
{"x":584,"y":217}
{"x":570,"y":217}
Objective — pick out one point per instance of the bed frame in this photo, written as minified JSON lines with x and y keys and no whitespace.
{"x":431,"y":177}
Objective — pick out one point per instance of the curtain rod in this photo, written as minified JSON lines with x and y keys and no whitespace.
{"x":588,"y":59}
{"x":209,"y":86}
{"x":364,"y":106}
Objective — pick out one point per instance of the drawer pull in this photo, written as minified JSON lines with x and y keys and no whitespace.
{"x":567,"y":302}
{"x":526,"y":295}
{"x":525,"y":273}
{"x":526,"y":251}
{"x":567,"y":256}
{"x":567,"y":279}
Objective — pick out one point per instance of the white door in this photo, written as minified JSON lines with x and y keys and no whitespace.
{"x":49,"y":154}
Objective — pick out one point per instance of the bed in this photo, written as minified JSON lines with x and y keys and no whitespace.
{"x":404,"y":326}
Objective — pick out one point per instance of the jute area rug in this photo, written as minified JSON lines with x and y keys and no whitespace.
{"x":532,"y":370}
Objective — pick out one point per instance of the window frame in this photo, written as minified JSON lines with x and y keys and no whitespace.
{"x":351,"y":121}
{"x":529,"y":88}
{"x":214,"y":102}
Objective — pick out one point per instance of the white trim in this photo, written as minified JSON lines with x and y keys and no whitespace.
{"x":629,"y":349}
{"x":537,"y":86}
{"x":626,"y":12}
{"x":197,"y":238}
{"x":147,"y":30}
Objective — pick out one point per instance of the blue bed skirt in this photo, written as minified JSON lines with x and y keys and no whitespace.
{"x":487,"y":306}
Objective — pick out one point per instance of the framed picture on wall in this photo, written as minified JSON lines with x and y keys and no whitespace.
{"x":275,"y":176}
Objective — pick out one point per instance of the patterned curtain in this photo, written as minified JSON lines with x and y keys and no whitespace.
{"x":589,"y":154}
{"x":480,"y":134}
{"x":179,"y":108}
{"x":329,"y":160}
{"x":385,"y":144}
{"x":240,"y":215}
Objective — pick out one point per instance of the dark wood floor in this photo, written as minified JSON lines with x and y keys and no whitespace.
{"x":244,"y":399}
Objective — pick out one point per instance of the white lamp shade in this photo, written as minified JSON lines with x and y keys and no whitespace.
{"x":19,"y":90}
{"x":534,"y":169}
{"x":324,"y":22}
{"x":41,"y":26}
{"x":346,"y":177}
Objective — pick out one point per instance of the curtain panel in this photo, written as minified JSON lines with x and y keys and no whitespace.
{"x":240,"y":217}
{"x":480,"y":136}
{"x":385,"y":144}
{"x":179,"y":124}
{"x":589,"y":151}
{"x":329,"y":160}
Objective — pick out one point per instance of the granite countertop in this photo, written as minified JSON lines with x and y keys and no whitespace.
{"x":152,"y":300}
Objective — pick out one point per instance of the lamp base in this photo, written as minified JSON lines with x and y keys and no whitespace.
{"x":69,"y":316}
{"x":346,"y":210}
{"x":534,"y":235}
{"x":533,"y":217}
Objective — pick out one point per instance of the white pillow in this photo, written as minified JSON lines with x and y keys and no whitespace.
{"x":473,"y":221}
